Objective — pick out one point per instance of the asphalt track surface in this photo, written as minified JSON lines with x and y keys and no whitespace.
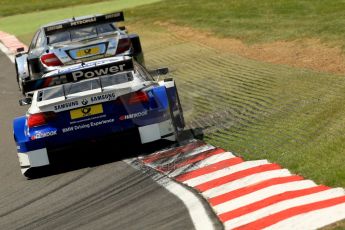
{"x":88,"y":188}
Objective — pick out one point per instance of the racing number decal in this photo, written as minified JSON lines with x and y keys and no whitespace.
{"x":86,"y":111}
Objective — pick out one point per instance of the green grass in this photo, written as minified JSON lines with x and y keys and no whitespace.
{"x":255,"y":21}
{"x":247,"y":20}
{"x":25,"y":25}
{"x":260,"y":111}
{"x":12,"y":7}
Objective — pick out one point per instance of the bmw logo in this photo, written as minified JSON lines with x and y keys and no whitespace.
{"x":84,"y":101}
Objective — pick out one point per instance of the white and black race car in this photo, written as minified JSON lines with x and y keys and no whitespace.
{"x":93,"y":100}
{"x":75,"y":40}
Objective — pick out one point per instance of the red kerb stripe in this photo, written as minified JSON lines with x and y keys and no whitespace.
{"x":252,"y":188}
{"x":270,"y":201}
{"x":210,"y":168}
{"x":277,"y":217}
{"x":235,"y":176}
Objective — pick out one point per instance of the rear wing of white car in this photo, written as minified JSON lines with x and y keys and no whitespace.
{"x":113,"y":17}
{"x":80,"y":72}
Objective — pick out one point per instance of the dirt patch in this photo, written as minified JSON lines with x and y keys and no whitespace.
{"x":307,"y":53}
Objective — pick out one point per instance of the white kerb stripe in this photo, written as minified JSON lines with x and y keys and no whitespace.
{"x":312,"y":220}
{"x":224,"y":172}
{"x":193,"y":204}
{"x":245,"y":182}
{"x":170,"y":160}
{"x":262,"y":194}
{"x":283,"y":205}
{"x":208,"y":161}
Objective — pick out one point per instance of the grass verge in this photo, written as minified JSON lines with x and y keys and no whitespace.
{"x":12,"y":7}
{"x":25,"y":25}
{"x":256,"y":21}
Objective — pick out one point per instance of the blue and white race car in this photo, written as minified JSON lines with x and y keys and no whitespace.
{"x":92,"y":100}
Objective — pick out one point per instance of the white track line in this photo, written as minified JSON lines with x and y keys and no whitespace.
{"x":224,"y":172}
{"x":262,"y":194}
{"x":196,"y":210}
{"x":208,"y":161}
{"x":283,"y":205}
{"x":312,"y":220}
{"x":246,"y":181}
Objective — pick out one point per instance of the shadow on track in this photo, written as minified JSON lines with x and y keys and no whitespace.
{"x":103,"y":151}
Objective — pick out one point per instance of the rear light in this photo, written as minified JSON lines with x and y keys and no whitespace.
{"x":51,"y":60}
{"x":39,"y":119}
{"x":138,"y":97}
{"x":123,"y":45}
{"x":133,"y":98}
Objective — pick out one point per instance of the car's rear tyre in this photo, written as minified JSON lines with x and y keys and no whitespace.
{"x":31,"y":173}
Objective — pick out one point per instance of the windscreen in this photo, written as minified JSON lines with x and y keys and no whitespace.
{"x":74,"y":89}
{"x":80,"y":33}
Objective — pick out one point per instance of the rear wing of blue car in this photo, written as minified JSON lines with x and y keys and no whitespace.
{"x":78,"y":73}
{"x":113,"y":17}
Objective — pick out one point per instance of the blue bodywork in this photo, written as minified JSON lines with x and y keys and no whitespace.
{"x":117,"y":116}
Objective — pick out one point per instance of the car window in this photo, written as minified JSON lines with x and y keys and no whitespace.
{"x":85,"y":32}
{"x":81,"y":33}
{"x":50,"y":93}
{"x":116,"y":79}
{"x":105,"y":28}
{"x":59,"y":37}
{"x":73,"y":88}
{"x":40,"y":40}
{"x":82,"y":86}
{"x":34,"y":40}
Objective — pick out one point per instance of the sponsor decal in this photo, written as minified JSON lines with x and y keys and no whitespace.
{"x":39,"y":135}
{"x":87,"y":126}
{"x":87,"y":51}
{"x":85,"y":21}
{"x":66,"y":105}
{"x":98,"y":72}
{"x":108,"y":96}
{"x":86,"y":111}
{"x":88,"y":119}
{"x":114,"y":15}
{"x":50,"y":28}
{"x":133,"y":115}
{"x":85,"y":101}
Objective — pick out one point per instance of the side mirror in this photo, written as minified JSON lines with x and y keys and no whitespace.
{"x":25,"y":101}
{"x":162,"y":71}
{"x":122,"y":27}
{"x":20,"y":49}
